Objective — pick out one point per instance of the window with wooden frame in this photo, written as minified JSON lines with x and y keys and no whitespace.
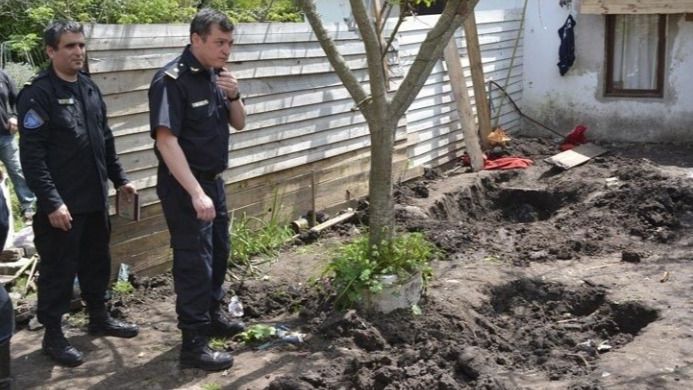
{"x":635,"y":47}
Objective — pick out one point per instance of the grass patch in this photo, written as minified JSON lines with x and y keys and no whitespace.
{"x":252,"y":236}
{"x":256,"y":332}
{"x":217,"y":343}
{"x":123,"y":287}
{"x":78,"y":319}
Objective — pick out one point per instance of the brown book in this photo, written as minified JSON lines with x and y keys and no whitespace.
{"x":128,"y":209}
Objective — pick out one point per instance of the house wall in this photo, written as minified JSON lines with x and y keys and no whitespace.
{"x":561,"y":102}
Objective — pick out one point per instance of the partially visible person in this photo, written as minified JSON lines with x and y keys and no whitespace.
{"x":6,"y":310}
{"x":192,"y":102}
{"x":9,"y":152}
{"x":68,"y":155}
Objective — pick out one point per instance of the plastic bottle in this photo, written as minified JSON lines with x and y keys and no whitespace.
{"x":235,"y":307}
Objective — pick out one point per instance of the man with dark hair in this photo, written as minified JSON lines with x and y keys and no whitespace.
{"x":192,"y":102}
{"x":9,"y":153}
{"x":68,"y":154}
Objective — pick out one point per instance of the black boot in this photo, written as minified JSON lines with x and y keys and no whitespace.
{"x":221,"y":325}
{"x":5,"y":378}
{"x":196,"y":353}
{"x":102,"y":324}
{"x":59,"y":349}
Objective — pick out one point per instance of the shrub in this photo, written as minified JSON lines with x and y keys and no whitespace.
{"x":358,"y":267}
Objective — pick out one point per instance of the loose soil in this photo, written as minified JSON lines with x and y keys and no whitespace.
{"x":550,"y":279}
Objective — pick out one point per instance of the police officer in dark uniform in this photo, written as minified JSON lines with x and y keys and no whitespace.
{"x":192,"y":101}
{"x":68,"y":155}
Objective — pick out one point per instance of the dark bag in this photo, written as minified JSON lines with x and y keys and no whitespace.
{"x":566,"y":52}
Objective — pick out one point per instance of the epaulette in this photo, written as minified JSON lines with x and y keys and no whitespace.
{"x":35,"y":77}
{"x":175,"y":69}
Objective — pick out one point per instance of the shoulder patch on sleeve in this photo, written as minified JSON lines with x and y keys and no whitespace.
{"x":32,"y":120}
{"x":174,"y":70}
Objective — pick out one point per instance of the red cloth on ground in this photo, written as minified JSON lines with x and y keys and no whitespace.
{"x":574,"y":138}
{"x":507,"y":163}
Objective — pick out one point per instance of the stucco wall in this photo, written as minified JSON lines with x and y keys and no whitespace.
{"x":578,"y":97}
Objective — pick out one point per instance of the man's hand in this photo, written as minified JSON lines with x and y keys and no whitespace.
{"x":228,"y":83}
{"x":130,"y":190}
{"x":61,"y":218}
{"x":204,"y":207}
{"x":13,"y":125}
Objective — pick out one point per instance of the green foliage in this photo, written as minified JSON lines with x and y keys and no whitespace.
{"x":250,"y":11}
{"x":252,"y":236}
{"x":358,"y":267}
{"x":78,"y":319}
{"x":256,"y":332}
{"x":218,"y":343}
{"x":123,"y":287}
{"x":22,"y":21}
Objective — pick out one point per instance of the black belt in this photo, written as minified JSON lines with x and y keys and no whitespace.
{"x":205,"y":175}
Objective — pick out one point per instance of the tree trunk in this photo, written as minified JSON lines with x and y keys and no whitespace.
{"x":381,"y":208}
{"x":382,"y":112}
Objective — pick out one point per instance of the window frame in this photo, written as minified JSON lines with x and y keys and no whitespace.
{"x":610,"y":90}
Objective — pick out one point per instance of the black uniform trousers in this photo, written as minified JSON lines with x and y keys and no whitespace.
{"x":200,"y":249}
{"x":82,"y":251}
{"x":6,"y":310}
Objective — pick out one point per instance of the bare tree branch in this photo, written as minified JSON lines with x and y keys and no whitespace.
{"x":431,"y":49}
{"x":371,"y":41}
{"x":336,"y":60}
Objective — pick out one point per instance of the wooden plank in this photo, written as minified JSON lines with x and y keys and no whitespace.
{"x":636,"y":6}
{"x":103,"y":48}
{"x":139,"y":79}
{"x":464,"y":106}
{"x":474,"y":54}
{"x":576,"y":156}
{"x":245,"y":33}
{"x":242,"y":69}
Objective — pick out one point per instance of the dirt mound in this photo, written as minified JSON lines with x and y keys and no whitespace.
{"x":546,"y":214}
{"x":526,"y":325}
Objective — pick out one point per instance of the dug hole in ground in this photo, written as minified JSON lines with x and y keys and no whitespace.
{"x":551,"y":279}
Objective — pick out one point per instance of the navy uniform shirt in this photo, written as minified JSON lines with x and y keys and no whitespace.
{"x":183,"y":97}
{"x":8,"y":95}
{"x":66,"y":147}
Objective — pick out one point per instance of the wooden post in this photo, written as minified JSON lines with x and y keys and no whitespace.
{"x":474,"y":53}
{"x":464,"y":105}
{"x":313,"y":195}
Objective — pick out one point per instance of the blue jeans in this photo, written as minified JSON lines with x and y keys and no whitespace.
{"x":9,"y":155}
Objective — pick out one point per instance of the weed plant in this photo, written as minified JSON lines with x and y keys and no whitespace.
{"x":123,"y":287}
{"x":357,"y":267}
{"x":252,"y":236}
